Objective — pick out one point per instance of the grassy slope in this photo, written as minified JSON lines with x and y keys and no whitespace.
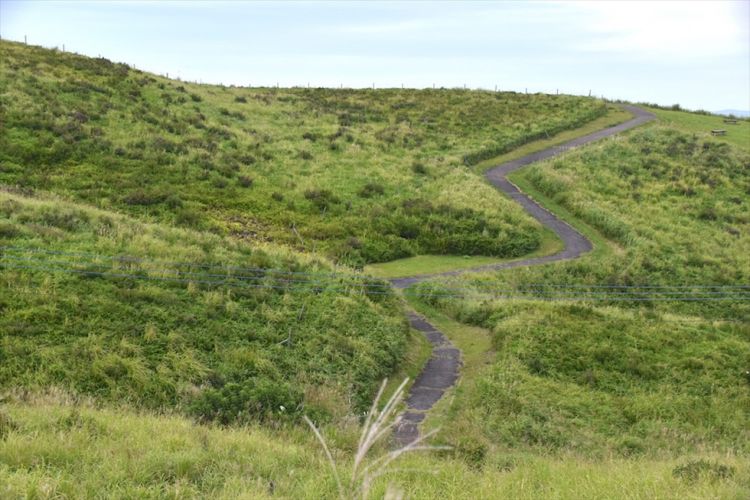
{"x":550,"y":243}
{"x":159,"y":343}
{"x":661,"y":380}
{"x":52,"y":449}
{"x":56,"y":449}
{"x":737,"y":135}
{"x":350,"y":170}
{"x":615,"y":115}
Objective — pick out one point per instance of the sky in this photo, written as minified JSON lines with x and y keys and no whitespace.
{"x":693,"y":53}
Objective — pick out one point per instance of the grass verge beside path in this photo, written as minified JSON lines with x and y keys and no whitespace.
{"x":60,"y":450}
{"x":615,"y":115}
{"x":428,"y":264}
{"x":602,"y":245}
{"x":476,"y":352}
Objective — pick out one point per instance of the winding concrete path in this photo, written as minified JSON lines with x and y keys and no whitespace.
{"x":441,"y":371}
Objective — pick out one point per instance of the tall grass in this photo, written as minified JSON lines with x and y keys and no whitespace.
{"x":378,"y":425}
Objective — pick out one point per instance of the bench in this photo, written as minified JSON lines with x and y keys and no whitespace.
{"x":718,"y":132}
{"x":730,"y":120}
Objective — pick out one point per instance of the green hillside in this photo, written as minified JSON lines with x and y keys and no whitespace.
{"x":181,"y":282}
{"x":609,"y":373}
{"x":184,"y":319}
{"x":360,"y":175}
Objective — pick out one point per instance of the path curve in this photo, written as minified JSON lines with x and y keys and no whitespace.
{"x":441,"y":371}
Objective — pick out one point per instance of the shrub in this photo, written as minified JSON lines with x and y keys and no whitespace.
{"x":173,"y":201}
{"x":321,"y":198}
{"x":144,"y":197}
{"x":240,"y":98}
{"x":7,"y":425}
{"x":255,"y":399}
{"x":188,"y":218}
{"x":64,"y":218}
{"x":247,"y":159}
{"x":371,"y":189}
{"x":276,"y":196}
{"x":196,"y":98}
{"x":697,"y":469}
{"x":79,"y":117}
{"x":244,"y":181}
{"x":8,"y":230}
{"x":418,"y":168}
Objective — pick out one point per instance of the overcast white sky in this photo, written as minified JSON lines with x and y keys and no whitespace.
{"x":693,"y":53}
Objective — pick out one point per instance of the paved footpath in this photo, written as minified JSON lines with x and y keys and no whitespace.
{"x":442,"y":370}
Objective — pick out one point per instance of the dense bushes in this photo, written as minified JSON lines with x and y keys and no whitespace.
{"x":371,"y":190}
{"x":417,"y":226}
{"x":321,"y":198}
{"x":253,"y":399}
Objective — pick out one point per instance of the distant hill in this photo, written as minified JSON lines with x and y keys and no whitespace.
{"x":736,"y":112}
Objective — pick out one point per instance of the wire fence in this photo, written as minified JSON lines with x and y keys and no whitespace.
{"x":124,"y":267}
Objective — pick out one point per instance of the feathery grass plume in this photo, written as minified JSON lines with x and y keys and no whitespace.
{"x":378,"y":424}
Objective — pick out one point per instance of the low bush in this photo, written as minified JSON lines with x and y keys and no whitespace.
{"x":251,"y":400}
{"x":321,"y":198}
{"x":371,"y":190}
{"x":145,"y":197}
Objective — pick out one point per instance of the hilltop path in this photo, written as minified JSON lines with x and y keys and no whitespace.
{"x":441,"y":371}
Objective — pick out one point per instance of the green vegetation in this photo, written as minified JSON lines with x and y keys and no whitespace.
{"x":550,"y":243}
{"x":359,"y":175}
{"x":603,"y":378}
{"x":162,"y":334}
{"x":614,"y":116}
{"x":736,"y":134}
{"x":58,"y":449}
{"x":241,"y":350}
{"x":429,"y":264}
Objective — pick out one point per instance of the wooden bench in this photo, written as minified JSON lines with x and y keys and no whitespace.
{"x":718,"y":132}
{"x":730,"y":120}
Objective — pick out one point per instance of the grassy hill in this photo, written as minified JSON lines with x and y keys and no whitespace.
{"x":359,"y":175}
{"x":610,"y":374}
{"x":184,"y":319}
{"x":175,"y":295}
